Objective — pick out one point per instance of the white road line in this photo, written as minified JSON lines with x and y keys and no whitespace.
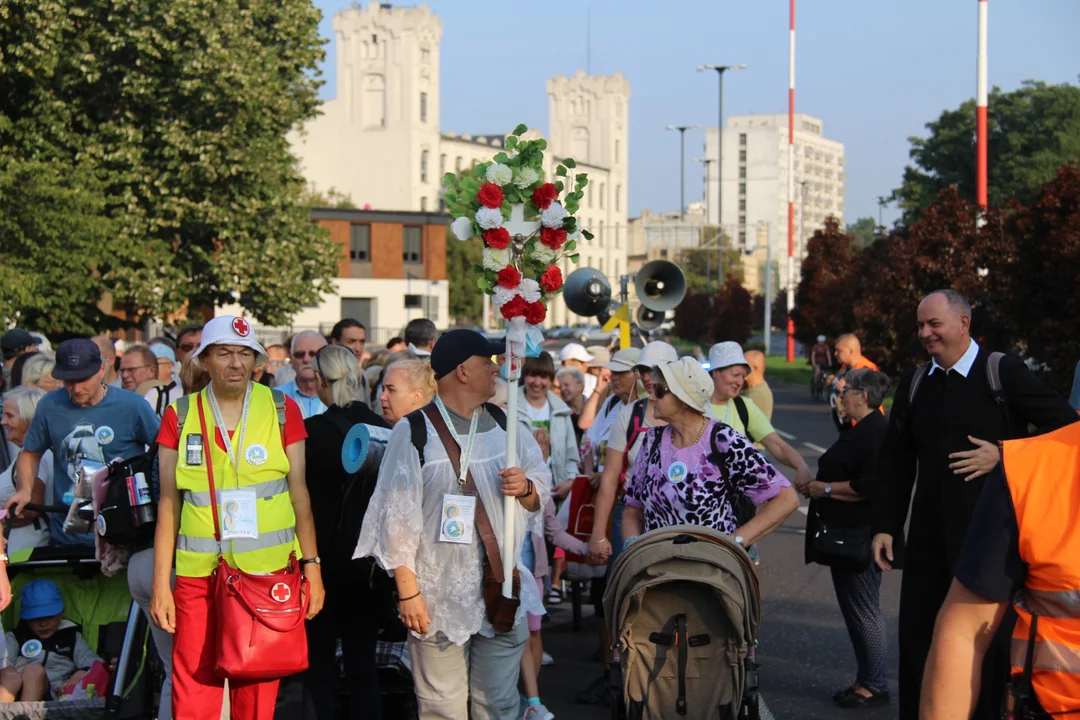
{"x":786,"y":436}
{"x":815,"y":448}
{"x":804,"y":509}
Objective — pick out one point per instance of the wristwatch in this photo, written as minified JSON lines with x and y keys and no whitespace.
{"x":307,"y":561}
{"x":739,"y":539}
{"x":828,"y":488}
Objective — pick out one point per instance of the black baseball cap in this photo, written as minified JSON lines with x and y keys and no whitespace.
{"x":77,"y":360}
{"x":455,"y":347}
{"x":15,"y":340}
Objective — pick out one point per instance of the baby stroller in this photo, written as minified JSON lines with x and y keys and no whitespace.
{"x":683,"y":606}
{"x":110,"y":621}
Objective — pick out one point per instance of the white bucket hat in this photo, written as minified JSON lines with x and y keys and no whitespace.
{"x":601,"y":355}
{"x":575,"y":351}
{"x":230,"y":330}
{"x":657,"y":352}
{"x":624,"y":360}
{"x":689,"y":382}
{"x":725,"y":354}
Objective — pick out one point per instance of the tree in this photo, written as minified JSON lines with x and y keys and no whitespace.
{"x":466,"y":301}
{"x":314,"y":198}
{"x":179,"y":112}
{"x":863,"y":232}
{"x":1032,"y":132}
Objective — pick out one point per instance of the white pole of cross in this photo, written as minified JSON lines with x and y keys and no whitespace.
{"x":520,"y":231}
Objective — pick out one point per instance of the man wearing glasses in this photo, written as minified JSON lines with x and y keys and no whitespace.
{"x":303,"y":389}
{"x":186,"y":341}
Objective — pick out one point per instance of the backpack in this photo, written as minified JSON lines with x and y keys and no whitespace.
{"x":419,"y":429}
{"x":162,"y":401}
{"x":744,"y":417}
{"x":684,"y":605}
{"x":993,"y":376}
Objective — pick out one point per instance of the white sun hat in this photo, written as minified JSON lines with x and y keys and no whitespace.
{"x":624,"y":360}
{"x":230,"y":330}
{"x":689,"y":382}
{"x":657,"y":352}
{"x":575,"y":351}
{"x":725,"y":354}
{"x":601,"y":355}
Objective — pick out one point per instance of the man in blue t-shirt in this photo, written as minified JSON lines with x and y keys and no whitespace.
{"x":87,"y":420}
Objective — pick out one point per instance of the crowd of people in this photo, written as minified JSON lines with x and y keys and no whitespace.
{"x":412,"y":545}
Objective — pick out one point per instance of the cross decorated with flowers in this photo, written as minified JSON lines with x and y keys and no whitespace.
{"x":526,"y":231}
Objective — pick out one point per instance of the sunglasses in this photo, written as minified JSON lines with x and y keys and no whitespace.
{"x":301,"y":354}
{"x":187,"y":347}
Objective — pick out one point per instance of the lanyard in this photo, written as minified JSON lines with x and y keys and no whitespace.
{"x":234,"y":458}
{"x":467,"y":446}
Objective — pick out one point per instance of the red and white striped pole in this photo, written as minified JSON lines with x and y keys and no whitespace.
{"x":981,"y":115}
{"x":791,"y":190}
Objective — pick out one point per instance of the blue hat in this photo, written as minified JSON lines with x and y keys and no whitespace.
{"x":77,"y":359}
{"x":161,"y":350}
{"x":41,"y":599}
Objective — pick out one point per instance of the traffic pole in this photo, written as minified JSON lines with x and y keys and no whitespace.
{"x":981,"y":115}
{"x":791,"y":189}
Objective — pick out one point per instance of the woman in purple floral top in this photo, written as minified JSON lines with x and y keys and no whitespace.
{"x":692,"y":471}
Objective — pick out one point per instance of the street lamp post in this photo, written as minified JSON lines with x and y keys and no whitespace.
{"x":706,"y":162}
{"x":802,"y":221}
{"x":882,"y":201}
{"x":720,"y":69}
{"x":682,"y":165}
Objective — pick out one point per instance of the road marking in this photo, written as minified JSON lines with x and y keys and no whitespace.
{"x":815,"y":448}
{"x":786,"y":436}
{"x":804,"y":509}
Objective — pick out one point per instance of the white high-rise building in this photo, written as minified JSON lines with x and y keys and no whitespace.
{"x":380,"y":141}
{"x":755,"y":182}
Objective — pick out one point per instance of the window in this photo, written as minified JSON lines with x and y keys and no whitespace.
{"x":618,"y":198}
{"x":423,"y":107}
{"x":742,"y":218}
{"x":603,"y":188}
{"x":425,"y":55}
{"x":600,"y":265}
{"x":742,"y":156}
{"x":742,"y":237}
{"x":742,"y":139}
{"x":423,"y":165}
{"x":588,"y":194}
{"x":617,"y":151}
{"x":600,"y":235}
{"x":360,"y":243}
{"x":457,"y":164}
{"x":442,"y":165}
{"x":742,"y":173}
{"x":742,"y":188}
{"x":413,"y":245}
{"x":742,"y":204}
{"x":423,"y":204}
{"x":617,"y":267}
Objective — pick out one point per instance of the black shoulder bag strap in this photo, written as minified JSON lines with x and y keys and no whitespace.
{"x":744,"y":416}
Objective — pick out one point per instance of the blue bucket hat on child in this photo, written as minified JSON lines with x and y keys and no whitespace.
{"x":41,"y":599}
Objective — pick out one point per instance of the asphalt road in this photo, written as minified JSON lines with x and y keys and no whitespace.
{"x":804,"y":647}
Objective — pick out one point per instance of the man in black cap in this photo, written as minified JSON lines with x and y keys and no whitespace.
{"x":436,"y":519}
{"x":91,"y":422}
{"x":13,"y":343}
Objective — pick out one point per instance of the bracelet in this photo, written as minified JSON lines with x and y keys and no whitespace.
{"x":598,"y":542}
{"x":401,"y":600}
{"x":527,"y":492}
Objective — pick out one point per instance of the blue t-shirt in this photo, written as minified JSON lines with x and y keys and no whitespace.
{"x":122,"y":425}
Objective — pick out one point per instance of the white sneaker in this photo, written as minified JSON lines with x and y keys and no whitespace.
{"x":546,"y":660}
{"x":537,"y":712}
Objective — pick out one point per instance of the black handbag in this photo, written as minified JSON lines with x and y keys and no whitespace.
{"x":839,"y":546}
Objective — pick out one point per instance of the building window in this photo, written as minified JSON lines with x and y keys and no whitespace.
{"x":425,"y":55}
{"x":742,"y":173}
{"x":457,"y":164}
{"x":617,"y":267}
{"x":602,"y":190}
{"x":742,"y":218}
{"x":742,"y":204}
{"x":742,"y":139}
{"x":617,"y":151}
{"x":618,"y":198}
{"x":600,"y":265}
{"x":600,"y":234}
{"x":423,"y":165}
{"x":742,"y":238}
{"x":360,"y":243}
{"x":442,"y":165}
{"x":742,"y":188}
{"x":413,"y":245}
{"x":423,"y":204}
{"x":423,"y":107}
{"x":742,"y":156}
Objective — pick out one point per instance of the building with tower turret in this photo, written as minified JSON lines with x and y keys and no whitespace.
{"x":379,"y":141}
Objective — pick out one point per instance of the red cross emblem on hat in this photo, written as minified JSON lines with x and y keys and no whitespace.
{"x":241,"y":327}
{"x":281,"y":592}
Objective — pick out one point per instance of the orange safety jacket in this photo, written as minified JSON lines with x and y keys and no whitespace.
{"x":1043,"y":474}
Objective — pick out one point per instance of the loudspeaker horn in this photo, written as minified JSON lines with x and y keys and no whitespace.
{"x":660,"y":285}
{"x":649,"y":319}
{"x":587,"y":292}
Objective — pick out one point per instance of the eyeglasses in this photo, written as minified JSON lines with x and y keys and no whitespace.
{"x":187,"y":347}
{"x":133,"y":369}
{"x":301,"y":354}
{"x":848,"y":389}
{"x":660,"y":390}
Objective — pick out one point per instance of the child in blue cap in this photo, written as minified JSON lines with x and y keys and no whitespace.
{"x":47,"y":652}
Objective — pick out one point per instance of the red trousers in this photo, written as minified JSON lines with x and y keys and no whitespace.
{"x":197,"y":692}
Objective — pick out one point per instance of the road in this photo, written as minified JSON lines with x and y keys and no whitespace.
{"x":804,"y":647}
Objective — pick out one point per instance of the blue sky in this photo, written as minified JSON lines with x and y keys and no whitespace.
{"x":874,"y":71}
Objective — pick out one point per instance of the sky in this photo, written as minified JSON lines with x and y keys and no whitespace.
{"x":875,"y":72}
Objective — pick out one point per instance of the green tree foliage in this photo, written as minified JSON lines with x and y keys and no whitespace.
{"x":178,"y":111}
{"x":466,"y":302}
{"x":1032,"y":132}
{"x":332,"y":198}
{"x":863,"y":232}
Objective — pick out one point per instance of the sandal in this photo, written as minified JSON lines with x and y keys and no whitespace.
{"x":554,"y":597}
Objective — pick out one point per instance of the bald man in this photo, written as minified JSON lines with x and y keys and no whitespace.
{"x":108,"y":358}
{"x":849,"y":354}
{"x":757,"y":389}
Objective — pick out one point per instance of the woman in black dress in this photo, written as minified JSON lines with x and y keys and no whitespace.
{"x":357,"y":594}
{"x":838,"y":532}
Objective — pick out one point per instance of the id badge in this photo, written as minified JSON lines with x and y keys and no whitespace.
{"x":239,"y":514}
{"x":458,"y":513}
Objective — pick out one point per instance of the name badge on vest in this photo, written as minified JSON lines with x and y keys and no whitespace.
{"x":239,"y":514}
{"x":457,"y":516}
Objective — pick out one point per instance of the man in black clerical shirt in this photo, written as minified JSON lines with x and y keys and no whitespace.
{"x":948,"y":435}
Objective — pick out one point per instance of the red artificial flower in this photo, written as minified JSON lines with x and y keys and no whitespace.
{"x":552,"y":279}
{"x":513,"y":308}
{"x":544,"y":195}
{"x":490,"y":195}
{"x":509,"y":277}
{"x":535,"y":312}
{"x":553,"y":237}
{"x":498,"y":238}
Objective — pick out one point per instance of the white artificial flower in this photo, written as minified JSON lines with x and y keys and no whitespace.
{"x":543,"y":254}
{"x":526,"y":176}
{"x":499,"y":174}
{"x":503,"y":295}
{"x":530,"y":290}
{"x":496,"y":260}
{"x":553,"y":216}
{"x":462,"y":228}
{"x":489,"y":218}
{"x":576,"y":234}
